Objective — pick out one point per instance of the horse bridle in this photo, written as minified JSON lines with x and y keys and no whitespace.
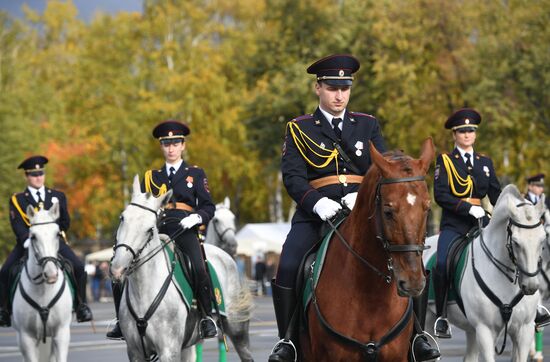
{"x":380,"y":235}
{"x":219,"y":234}
{"x":42,"y":260}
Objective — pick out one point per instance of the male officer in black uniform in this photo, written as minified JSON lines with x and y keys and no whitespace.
{"x":39,"y":196}
{"x":190,"y":206}
{"x":535,"y":188}
{"x":462,"y":178}
{"x":321,"y":179}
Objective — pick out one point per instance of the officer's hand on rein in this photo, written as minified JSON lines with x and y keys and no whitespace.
{"x":326,"y":208}
{"x":477,"y":212}
{"x":189,"y":221}
{"x":349,"y":200}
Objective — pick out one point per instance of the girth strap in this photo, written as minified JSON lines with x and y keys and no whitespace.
{"x":43,"y":311}
{"x":141,"y":323}
{"x":370,"y":349}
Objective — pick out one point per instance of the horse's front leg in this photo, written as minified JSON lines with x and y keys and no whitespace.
{"x":485,"y":338}
{"x":472,"y":350}
{"x":189,"y":354}
{"x":28,"y":347}
{"x":60,"y":344}
{"x":522,"y":339}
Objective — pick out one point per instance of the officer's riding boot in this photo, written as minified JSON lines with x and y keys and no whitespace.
{"x":207,"y":326}
{"x":116,"y":332}
{"x":5,"y":320}
{"x":543,"y":316}
{"x":442,"y":328}
{"x":83,"y":312}
{"x":284,"y":301}
{"x":421,"y":348}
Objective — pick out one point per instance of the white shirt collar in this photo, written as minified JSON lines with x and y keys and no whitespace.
{"x":329,"y":116}
{"x":176,"y":166}
{"x":532,"y":197}
{"x":42,"y":190}
{"x":462,"y":153}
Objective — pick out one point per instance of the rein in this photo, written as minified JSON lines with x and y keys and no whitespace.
{"x":505,"y":309}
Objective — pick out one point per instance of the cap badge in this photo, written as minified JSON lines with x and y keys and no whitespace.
{"x":37,"y":166}
{"x":170,"y":133}
{"x":467,"y":121}
{"x":341,"y":73}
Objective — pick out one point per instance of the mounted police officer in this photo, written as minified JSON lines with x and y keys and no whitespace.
{"x":535,"y":188}
{"x":40,"y":197}
{"x":190,"y":206}
{"x":325,"y":155}
{"x":462,"y":178}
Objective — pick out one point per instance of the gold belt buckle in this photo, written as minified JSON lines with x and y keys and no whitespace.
{"x":342,"y":179}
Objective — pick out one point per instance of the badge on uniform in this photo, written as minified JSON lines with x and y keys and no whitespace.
{"x":486,"y":170}
{"x":359,"y":148}
{"x":436,"y":173}
{"x":322,"y":145}
{"x":189,"y":180}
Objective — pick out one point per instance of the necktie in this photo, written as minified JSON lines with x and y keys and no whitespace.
{"x":468,"y":162}
{"x":171,"y":175}
{"x":40,"y":201}
{"x":335,"y":123}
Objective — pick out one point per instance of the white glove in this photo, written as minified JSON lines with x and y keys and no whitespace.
{"x":477,"y":212}
{"x":349,"y":200}
{"x":190,"y":221}
{"x":326,"y":208}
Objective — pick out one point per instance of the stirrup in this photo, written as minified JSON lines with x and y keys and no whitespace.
{"x":547,"y":315}
{"x":429,"y":336}
{"x":215,"y":326}
{"x":290,"y":343}
{"x":438,"y":335}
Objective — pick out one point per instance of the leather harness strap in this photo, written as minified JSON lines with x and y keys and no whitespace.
{"x":333,"y":180}
{"x":179,"y":206}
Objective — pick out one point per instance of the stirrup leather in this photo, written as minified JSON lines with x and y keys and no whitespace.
{"x":448,"y":326}
{"x":289,"y":342}
{"x":429,"y":336}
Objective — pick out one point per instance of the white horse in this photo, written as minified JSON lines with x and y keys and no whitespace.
{"x":506,"y":256}
{"x":544,"y":277}
{"x":171,"y":330}
{"x":221,"y":229}
{"x":42,"y":305}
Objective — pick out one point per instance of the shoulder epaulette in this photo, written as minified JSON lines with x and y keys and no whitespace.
{"x":482,"y":155}
{"x":359,"y":114}
{"x":300,"y":118}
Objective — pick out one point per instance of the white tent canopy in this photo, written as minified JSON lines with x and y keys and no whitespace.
{"x":102,"y":255}
{"x":261,"y":238}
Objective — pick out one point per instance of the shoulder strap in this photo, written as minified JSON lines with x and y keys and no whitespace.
{"x":346,"y":158}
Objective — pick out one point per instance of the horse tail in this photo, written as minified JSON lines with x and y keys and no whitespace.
{"x":242,"y":305}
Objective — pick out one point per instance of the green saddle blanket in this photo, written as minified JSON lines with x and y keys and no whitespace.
{"x":184,"y":287}
{"x":312,"y":276}
{"x":457,"y":275}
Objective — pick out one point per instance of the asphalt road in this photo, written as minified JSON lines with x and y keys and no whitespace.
{"x":90,"y":346}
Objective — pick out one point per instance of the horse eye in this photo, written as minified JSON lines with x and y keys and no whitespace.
{"x":121,"y":218}
{"x":388,"y":213}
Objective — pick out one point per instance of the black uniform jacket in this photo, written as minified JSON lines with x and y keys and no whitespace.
{"x":358,"y":129}
{"x":455,"y":211}
{"x":189,"y":186}
{"x":24,"y":199}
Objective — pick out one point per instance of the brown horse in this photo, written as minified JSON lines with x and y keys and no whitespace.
{"x":361,"y":307}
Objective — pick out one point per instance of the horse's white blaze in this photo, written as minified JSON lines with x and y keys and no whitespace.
{"x":411,"y":199}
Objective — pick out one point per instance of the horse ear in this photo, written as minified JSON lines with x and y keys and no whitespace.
{"x":226,"y":202}
{"x":427,"y":154}
{"x":136,"y":187}
{"x":30,"y":211}
{"x":541,"y":206}
{"x":377,"y":158}
{"x":164,"y":198}
{"x":54,"y":210}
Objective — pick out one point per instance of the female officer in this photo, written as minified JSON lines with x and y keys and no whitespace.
{"x":190,"y":206}
{"x":462,"y":178}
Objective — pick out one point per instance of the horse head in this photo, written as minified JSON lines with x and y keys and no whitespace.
{"x":395,"y":201}
{"x":43,"y":241}
{"x":221,"y":229}
{"x":525,"y":234}
{"x":138,"y":226}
